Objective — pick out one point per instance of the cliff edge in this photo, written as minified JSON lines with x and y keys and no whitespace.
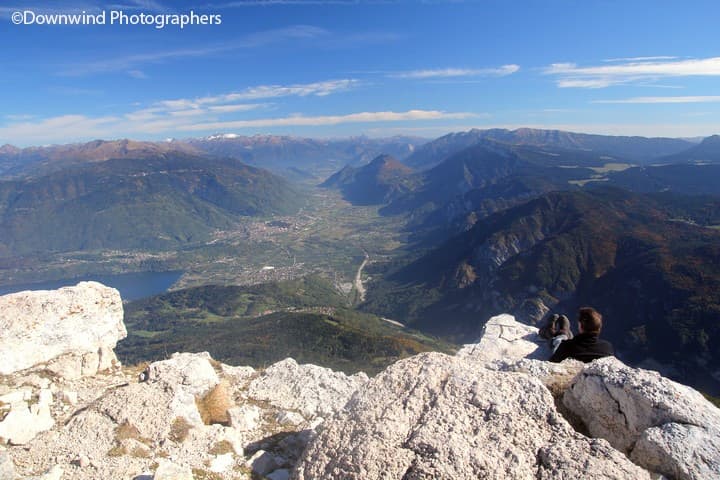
{"x":69,"y":410}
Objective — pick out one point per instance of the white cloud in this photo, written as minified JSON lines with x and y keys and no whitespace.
{"x":319,"y":89}
{"x":639,"y":59}
{"x":226,"y":102}
{"x":458,"y":72}
{"x":651,"y":100}
{"x":150,"y":122}
{"x":240,"y":107}
{"x":324,"y":120}
{"x":572,"y":76}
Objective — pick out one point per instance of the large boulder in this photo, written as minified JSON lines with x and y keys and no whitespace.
{"x":664,"y":426}
{"x":436,"y":416}
{"x":311,"y":390}
{"x":505,"y":339}
{"x":192,"y":372}
{"x":76,"y":326}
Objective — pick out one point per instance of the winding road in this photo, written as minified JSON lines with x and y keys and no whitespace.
{"x":358,"y":280}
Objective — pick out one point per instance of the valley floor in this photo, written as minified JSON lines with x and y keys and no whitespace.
{"x":327,"y":236}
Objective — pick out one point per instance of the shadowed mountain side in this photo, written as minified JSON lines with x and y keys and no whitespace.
{"x":707,"y":152}
{"x":678,"y":178}
{"x":484,"y":165}
{"x":656,"y":279}
{"x":378,"y":182}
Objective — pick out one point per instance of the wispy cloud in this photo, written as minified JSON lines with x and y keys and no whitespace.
{"x":639,"y":59}
{"x":260,"y":92}
{"x":66,"y":128}
{"x":319,"y":89}
{"x":226,"y":103}
{"x":139,"y":74}
{"x":649,"y":100}
{"x":133,"y":62}
{"x":570,"y":75}
{"x":458,"y":72}
{"x":213,"y":113}
{"x":324,"y":120}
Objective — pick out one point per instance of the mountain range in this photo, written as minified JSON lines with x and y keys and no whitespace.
{"x":280,"y":153}
{"x":468,"y":175}
{"x":619,"y":148}
{"x":527,"y":222}
{"x":277,"y":153}
{"x":154,"y":202}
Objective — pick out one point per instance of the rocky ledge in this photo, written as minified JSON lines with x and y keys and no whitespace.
{"x":69,"y":410}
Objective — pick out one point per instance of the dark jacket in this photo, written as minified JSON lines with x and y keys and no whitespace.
{"x":585,"y":347}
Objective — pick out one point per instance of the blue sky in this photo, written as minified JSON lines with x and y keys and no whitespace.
{"x":337,"y":68}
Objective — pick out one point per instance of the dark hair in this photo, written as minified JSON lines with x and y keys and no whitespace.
{"x":590,"y":319}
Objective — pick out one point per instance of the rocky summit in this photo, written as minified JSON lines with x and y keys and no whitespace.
{"x":496,"y":409}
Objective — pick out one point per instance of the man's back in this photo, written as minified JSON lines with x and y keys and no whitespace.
{"x":585,"y":347}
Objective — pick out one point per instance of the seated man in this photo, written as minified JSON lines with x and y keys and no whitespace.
{"x":585,"y":346}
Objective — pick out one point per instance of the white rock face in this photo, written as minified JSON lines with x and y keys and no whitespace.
{"x":244,"y":418}
{"x":169,"y":471}
{"x":7,"y":467}
{"x":664,"y":426}
{"x":311,"y":390}
{"x":435,"y":416}
{"x":222,"y":463}
{"x":55,"y":473}
{"x":505,"y":339}
{"x":39,"y":326}
{"x":193,"y":372}
{"x":24,"y":421}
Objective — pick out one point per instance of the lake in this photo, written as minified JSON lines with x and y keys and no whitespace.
{"x":132,"y":286}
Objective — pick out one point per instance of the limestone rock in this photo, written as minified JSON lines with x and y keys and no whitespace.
{"x":222,"y":463}
{"x":679,"y":451}
{"x":244,"y":418}
{"x":504,"y":338}
{"x":24,"y":421}
{"x":309,"y":389}
{"x":666,"y":427}
{"x":39,"y":326}
{"x":191,"y":371}
{"x":149,"y":408}
{"x":7,"y":467}
{"x":289,"y":418}
{"x":435,"y":416}
{"x":263,"y":462}
{"x":168,"y":470}
{"x":55,"y":473}
{"x":238,"y":376}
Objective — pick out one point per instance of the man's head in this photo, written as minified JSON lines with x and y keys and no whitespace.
{"x":589,"y":320}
